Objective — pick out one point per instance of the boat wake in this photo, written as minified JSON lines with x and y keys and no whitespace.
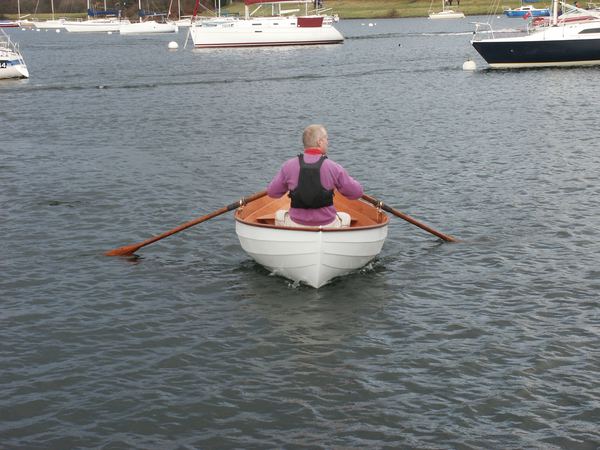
{"x":445,"y":33}
{"x":375,"y":36}
{"x":400,"y":35}
{"x":168,"y":83}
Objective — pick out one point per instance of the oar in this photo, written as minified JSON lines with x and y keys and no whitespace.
{"x":406,"y":217}
{"x":130,"y":249}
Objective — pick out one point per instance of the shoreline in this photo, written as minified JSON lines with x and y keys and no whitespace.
{"x":398,"y":9}
{"x":370,"y":9}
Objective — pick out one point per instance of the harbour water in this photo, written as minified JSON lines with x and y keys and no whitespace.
{"x":489,"y":343}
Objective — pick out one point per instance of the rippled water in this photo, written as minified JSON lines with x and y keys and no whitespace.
{"x":489,"y":343}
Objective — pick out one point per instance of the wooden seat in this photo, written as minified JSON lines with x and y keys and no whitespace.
{"x":268,"y":219}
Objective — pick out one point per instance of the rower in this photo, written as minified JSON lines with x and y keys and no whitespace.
{"x":310,"y":180}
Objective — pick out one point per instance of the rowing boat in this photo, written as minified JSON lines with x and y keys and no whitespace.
{"x":311,"y":255}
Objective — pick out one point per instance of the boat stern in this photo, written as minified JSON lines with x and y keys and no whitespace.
{"x":312,"y":257}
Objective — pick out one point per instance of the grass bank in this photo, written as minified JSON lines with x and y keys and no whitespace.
{"x":377,"y":9}
{"x":373,"y":9}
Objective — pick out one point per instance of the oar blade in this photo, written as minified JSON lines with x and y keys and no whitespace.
{"x":127,"y":250}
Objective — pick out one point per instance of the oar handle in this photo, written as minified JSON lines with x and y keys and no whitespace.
{"x":408,"y":218}
{"x":130,"y":249}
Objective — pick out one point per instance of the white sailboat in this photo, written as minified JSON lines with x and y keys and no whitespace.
{"x":51,"y":24}
{"x":23,"y":21}
{"x":12,"y":64}
{"x":181,"y":21}
{"x":147,"y":26}
{"x":110,"y":22}
{"x":445,"y":13}
{"x":275,"y":30}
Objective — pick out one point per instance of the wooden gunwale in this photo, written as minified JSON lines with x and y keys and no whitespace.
{"x":261,"y":213}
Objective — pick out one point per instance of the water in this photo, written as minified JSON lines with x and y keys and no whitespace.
{"x":490,"y":343}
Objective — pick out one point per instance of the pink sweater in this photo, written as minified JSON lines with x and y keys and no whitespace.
{"x":333,"y":176}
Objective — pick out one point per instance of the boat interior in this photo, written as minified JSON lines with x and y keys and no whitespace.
{"x":261,"y":212}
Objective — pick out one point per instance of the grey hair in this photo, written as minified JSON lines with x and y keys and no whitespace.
{"x":312,"y":134}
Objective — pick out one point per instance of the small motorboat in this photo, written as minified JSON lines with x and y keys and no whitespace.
{"x":527,"y":11}
{"x":12,"y":64}
{"x":311,"y":255}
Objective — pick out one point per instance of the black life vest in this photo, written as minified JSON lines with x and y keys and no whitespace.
{"x":310,"y":193}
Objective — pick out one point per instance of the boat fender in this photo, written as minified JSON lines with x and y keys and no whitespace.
{"x":469,"y":65}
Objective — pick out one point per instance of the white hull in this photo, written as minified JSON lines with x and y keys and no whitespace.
{"x":12,"y":64}
{"x":311,"y":257}
{"x":26,"y":23}
{"x":95,"y":26}
{"x":13,"y":71}
{"x":264,"y":31}
{"x":49,"y":24}
{"x":184,"y":22}
{"x":447,"y":14}
{"x":149,"y":27}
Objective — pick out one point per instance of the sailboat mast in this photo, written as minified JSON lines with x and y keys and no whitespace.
{"x":554,"y":12}
{"x":52,"y":5}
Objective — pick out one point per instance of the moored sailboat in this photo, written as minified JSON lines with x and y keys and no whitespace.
{"x":563,"y":43}
{"x":51,"y":24}
{"x":148,"y":26}
{"x":98,"y":21}
{"x":12,"y":64}
{"x":278,"y":29}
{"x":445,"y":13}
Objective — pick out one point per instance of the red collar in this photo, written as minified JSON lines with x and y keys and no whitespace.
{"x":313,"y":151}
